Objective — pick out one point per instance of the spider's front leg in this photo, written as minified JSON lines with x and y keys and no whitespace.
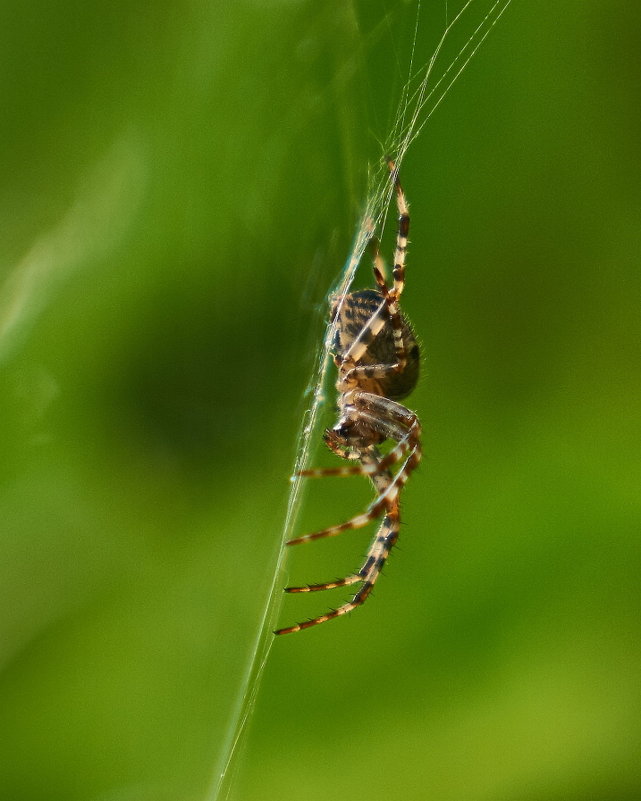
{"x":369,"y":467}
{"x":379,"y":551}
{"x":338,"y":446}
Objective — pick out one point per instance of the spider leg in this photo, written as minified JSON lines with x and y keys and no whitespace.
{"x":391,"y":494}
{"x":368,"y":465}
{"x":402,"y":231}
{"x":354,"y":375}
{"x":390,"y":416}
{"x":394,"y":456}
{"x":328,"y":585}
{"x":368,"y":574}
{"x":382,"y":480}
{"x":354,"y":578}
{"x":391,"y":301}
{"x":355,"y":522}
{"x":378,"y":262}
{"x":320,"y":472}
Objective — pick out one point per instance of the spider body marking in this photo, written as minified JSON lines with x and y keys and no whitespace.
{"x":356,"y":311}
{"x":377,"y":357}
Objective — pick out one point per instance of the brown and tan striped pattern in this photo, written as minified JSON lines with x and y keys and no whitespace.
{"x":377,"y":357}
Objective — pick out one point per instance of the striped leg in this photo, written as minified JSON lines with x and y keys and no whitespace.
{"x":402,"y":232}
{"x":328,"y":585}
{"x":382,"y":479}
{"x":356,"y":522}
{"x":394,"y":456}
{"x":390,"y":495}
{"x":366,"y":467}
{"x":368,"y":574}
{"x":323,"y":472}
{"x":389,"y":417}
{"x":387,"y":487}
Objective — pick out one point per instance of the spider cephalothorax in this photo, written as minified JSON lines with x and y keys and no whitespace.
{"x":377,"y":357}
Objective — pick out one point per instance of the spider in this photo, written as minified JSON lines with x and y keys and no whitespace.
{"x":377,"y":357}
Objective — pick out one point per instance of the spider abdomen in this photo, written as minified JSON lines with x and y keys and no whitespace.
{"x":351,"y":317}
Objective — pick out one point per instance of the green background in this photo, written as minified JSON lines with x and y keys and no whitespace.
{"x":180,"y":186}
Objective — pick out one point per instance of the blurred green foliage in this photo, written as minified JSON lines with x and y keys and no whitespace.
{"x":181,"y":183}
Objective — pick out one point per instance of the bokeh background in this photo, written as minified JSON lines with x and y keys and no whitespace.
{"x":180,"y":186}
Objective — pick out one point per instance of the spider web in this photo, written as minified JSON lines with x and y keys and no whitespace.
{"x":421,"y":95}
